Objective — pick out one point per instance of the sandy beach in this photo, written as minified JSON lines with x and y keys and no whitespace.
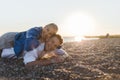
{"x":89,"y":60}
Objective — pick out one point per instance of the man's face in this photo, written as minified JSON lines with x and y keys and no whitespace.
{"x":48,"y":32}
{"x":52,"y":44}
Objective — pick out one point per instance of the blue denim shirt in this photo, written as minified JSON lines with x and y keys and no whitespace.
{"x":27,"y":40}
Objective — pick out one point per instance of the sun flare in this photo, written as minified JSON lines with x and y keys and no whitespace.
{"x":78,"y":24}
{"x":78,"y":38}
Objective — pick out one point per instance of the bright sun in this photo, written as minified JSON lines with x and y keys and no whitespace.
{"x":78,"y":24}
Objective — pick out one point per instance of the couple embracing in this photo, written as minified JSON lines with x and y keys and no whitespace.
{"x":37,"y":46}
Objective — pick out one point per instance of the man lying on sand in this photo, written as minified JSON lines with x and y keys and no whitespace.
{"x":27,"y":40}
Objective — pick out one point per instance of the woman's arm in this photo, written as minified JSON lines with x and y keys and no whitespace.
{"x":56,"y":59}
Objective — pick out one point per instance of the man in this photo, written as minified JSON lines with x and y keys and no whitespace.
{"x":31,"y":57}
{"x":27,"y":40}
{"x":31,"y":39}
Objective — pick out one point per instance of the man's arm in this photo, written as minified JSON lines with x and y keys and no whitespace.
{"x":57,"y":59}
{"x":31,"y":40}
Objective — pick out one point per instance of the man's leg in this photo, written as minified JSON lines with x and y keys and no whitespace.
{"x":7,"y":40}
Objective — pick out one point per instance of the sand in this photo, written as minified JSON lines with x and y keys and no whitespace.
{"x":89,"y":60}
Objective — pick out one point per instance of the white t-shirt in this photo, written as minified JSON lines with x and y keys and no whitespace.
{"x":30,"y":55}
{"x":33,"y":55}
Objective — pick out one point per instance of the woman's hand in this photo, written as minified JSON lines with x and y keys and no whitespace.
{"x":41,"y":54}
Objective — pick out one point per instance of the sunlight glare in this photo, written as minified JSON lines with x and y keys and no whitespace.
{"x":79,"y":24}
{"x":78,"y":38}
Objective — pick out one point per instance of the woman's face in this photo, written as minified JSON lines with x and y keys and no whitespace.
{"x":52,"y":44}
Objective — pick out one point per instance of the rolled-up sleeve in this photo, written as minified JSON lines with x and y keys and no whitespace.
{"x":61,"y":52}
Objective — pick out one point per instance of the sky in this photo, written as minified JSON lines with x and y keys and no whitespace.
{"x":73,"y":17}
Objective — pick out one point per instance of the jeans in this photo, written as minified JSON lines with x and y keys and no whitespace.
{"x":7,"y":40}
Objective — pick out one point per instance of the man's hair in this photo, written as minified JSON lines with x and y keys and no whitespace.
{"x":58,"y":37}
{"x":52,"y":25}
